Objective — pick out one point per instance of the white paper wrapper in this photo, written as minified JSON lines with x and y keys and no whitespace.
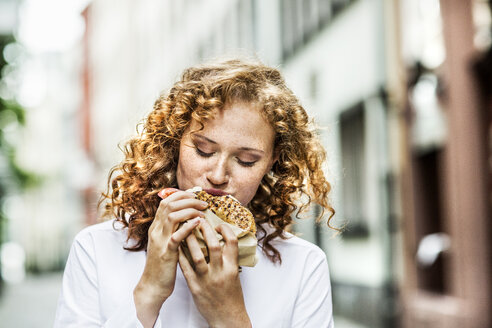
{"x":247,"y":241}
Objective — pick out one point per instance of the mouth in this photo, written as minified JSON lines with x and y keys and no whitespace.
{"x":216,"y":192}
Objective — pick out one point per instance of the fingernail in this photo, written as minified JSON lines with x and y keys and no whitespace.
{"x":192,"y":221}
{"x":204,"y":203}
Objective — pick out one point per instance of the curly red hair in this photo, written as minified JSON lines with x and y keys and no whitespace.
{"x":151,"y":157}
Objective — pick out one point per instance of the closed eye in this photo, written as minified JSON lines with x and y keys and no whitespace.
{"x":242,"y":163}
{"x":247,"y":164}
{"x":202,"y":153}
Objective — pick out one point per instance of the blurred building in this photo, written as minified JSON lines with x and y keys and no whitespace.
{"x":336,"y":62}
{"x":446,"y":172}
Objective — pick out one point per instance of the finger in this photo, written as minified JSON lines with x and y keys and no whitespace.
{"x":162,"y":210}
{"x":179,"y":195}
{"x":213,"y":245}
{"x":230,"y":251}
{"x":170,"y":225}
{"x":186,"y":203}
{"x":180,"y":234}
{"x":167,"y":192}
{"x":197,"y":256}
{"x":186,"y":267}
{"x":172,"y":198}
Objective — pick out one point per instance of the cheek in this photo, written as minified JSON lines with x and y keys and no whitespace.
{"x":188,"y":169}
{"x":250,"y":183}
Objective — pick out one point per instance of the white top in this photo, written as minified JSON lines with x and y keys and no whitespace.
{"x":100,"y":277}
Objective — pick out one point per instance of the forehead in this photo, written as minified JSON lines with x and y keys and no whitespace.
{"x":240,"y":124}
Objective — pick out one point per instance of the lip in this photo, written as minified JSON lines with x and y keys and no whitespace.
{"x":216,"y":192}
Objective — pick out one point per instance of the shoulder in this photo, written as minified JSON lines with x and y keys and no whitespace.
{"x":105,"y":232}
{"x":293,"y":248}
{"x":292,"y":243}
{"x":105,"y":227}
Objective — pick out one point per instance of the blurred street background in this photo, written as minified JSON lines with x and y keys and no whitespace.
{"x":401,"y":91}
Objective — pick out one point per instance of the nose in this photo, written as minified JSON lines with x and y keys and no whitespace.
{"x":218,"y":174}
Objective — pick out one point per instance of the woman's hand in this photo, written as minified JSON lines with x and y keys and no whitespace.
{"x":215,"y":286}
{"x":158,"y":278}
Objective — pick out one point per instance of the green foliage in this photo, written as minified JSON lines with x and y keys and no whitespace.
{"x":4,"y":40}
{"x":12,"y":117}
{"x":7,"y":106}
{"x":13,"y":178}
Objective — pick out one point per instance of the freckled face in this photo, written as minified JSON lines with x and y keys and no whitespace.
{"x":232,"y":153}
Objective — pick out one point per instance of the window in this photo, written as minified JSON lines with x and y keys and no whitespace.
{"x":245,"y":23}
{"x":352,"y":127}
{"x":301,"y":19}
{"x":428,"y":214}
{"x":309,"y":17}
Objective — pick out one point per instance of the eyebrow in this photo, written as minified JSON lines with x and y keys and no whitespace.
{"x":215,"y":143}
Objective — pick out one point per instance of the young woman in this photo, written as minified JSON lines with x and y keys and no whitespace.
{"x":230,"y":127}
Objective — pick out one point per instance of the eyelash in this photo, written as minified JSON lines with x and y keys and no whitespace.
{"x":246,"y":164}
{"x":204,"y":154}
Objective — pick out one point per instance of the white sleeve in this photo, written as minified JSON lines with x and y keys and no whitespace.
{"x":313,"y":307}
{"x":78,"y":305}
